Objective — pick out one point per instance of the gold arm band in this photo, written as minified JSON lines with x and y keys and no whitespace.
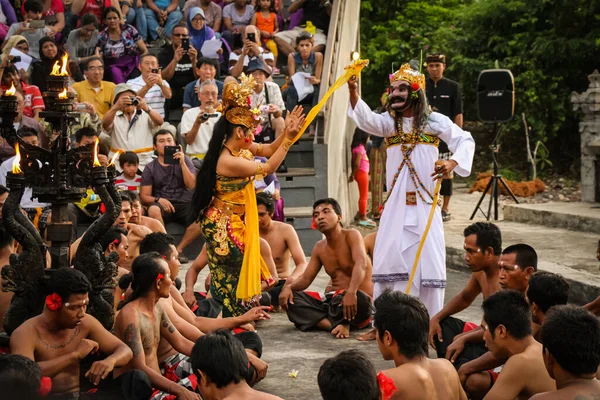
{"x":260,"y":171}
{"x":287,"y":143}
{"x":259,"y":149}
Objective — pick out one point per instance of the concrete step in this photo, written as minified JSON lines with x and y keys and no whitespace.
{"x":569,"y":253}
{"x":301,"y":219}
{"x":296,"y":172}
{"x":301,"y":155}
{"x":583,"y":217}
{"x":298,"y":187}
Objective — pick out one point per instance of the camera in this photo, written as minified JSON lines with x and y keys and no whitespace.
{"x":15,"y":59}
{"x":206,"y":116}
{"x":251,"y":37}
{"x":80,"y":106}
{"x":264,"y":109}
{"x":135,"y":101}
{"x":155,"y":70}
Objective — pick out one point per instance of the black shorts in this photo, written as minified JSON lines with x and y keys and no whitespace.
{"x":181,"y":214}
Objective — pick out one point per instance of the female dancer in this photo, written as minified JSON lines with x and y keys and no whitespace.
{"x":224,"y":201}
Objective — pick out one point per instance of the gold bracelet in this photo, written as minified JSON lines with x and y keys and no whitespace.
{"x":287,"y":143}
{"x":260,"y":171}
{"x":259,"y":149}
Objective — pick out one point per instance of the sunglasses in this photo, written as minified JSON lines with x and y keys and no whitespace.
{"x":181,"y":35}
{"x":305,"y":35}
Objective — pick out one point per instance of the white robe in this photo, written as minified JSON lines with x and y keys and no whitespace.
{"x":401,"y":225}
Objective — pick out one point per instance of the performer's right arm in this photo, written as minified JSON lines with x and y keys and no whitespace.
{"x":375,"y":124}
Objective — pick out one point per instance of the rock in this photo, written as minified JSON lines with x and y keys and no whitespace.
{"x":550,"y":197}
{"x":561,"y":197}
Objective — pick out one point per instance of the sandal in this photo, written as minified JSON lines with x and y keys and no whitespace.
{"x":368,"y":223}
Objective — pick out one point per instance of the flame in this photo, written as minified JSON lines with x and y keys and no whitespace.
{"x":96,"y":161}
{"x":114,"y":158}
{"x":56,"y":68}
{"x":12,"y":91}
{"x":16,"y":169}
{"x":63,"y":94}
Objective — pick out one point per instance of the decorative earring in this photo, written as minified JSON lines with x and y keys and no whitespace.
{"x":247,"y":140}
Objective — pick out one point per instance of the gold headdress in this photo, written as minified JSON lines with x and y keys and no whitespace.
{"x":236,"y":103}
{"x":406,"y":73}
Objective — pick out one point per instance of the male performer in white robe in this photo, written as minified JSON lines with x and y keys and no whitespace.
{"x":412,"y":134}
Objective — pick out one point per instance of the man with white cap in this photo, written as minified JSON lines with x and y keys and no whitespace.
{"x":130,"y":122}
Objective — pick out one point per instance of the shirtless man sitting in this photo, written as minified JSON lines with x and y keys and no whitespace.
{"x":63,"y":335}
{"x":222,"y":366}
{"x":507,"y":324}
{"x":135,"y":233}
{"x":483,"y":244}
{"x":348,"y":376}
{"x":284,"y":243}
{"x":571,"y":337}
{"x":343,"y":255}
{"x":138,"y":217}
{"x":7,"y":247}
{"x":402,"y":324}
{"x":142,"y":323}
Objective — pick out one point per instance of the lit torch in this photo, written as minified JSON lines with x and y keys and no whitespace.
{"x":12,"y":91}
{"x":63,"y":94}
{"x":56,"y":68}
{"x":16,"y":168}
{"x":114,"y":158}
{"x":96,"y":161}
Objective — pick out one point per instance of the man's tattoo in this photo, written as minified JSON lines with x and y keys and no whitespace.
{"x":147,"y":333}
{"x":166,"y":323}
{"x":60,"y":346}
{"x":132,"y":335}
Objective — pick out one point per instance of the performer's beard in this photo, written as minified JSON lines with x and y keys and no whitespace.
{"x":400,"y":103}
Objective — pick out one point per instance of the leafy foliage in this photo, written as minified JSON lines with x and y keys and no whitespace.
{"x":549,"y":45}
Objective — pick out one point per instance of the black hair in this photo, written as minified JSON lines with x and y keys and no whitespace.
{"x":124,"y":194}
{"x":271,"y":7}
{"x":133,"y":195}
{"x":27,"y":131}
{"x":206,"y":178}
{"x":19,"y":376}
{"x":526,"y":255}
{"x":86,"y":64}
{"x":332,"y":202}
{"x":158,"y":242}
{"x":162,"y":132}
{"x":547,"y":290}
{"x":86,"y":131}
{"x":508,"y":308}
{"x":348,"y":376}
{"x":89,"y":18}
{"x":265,"y":199}
{"x":221,"y":356}
{"x":108,"y":10}
{"x":144,"y":271}
{"x":35,"y":6}
{"x":147,"y":55}
{"x":572,"y":335}
{"x":3,"y":189}
{"x":360,"y":137}
{"x":129,"y":157}
{"x":406,"y":319}
{"x":5,"y":237}
{"x":10,"y":69}
{"x":305,"y":35}
{"x":67,"y":281}
{"x":210,"y":61}
{"x":488,"y":235}
{"x":111,"y":236}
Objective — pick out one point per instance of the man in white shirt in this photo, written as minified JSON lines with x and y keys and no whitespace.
{"x":130,"y":126}
{"x":150,"y":85}
{"x":197,"y":123}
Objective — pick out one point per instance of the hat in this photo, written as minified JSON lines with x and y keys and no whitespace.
{"x":121,"y":88}
{"x":436,"y":58}
{"x":235,"y":104}
{"x":257,"y":64}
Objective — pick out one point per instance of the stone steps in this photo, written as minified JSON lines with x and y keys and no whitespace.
{"x":582,"y":217}
{"x":301,"y":219}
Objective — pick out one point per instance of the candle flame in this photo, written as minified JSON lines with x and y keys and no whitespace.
{"x":96,"y":161}
{"x":16,"y":169}
{"x":114,"y":158}
{"x":12,"y":91}
{"x":63,"y":94}
{"x":56,"y":68}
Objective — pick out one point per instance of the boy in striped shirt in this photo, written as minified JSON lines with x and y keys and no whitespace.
{"x":129,"y":178}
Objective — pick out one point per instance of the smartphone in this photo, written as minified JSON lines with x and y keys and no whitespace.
{"x":80,"y":107}
{"x":37,"y":23}
{"x":251,"y":37}
{"x":185,"y":43}
{"x":155,"y":70}
{"x":169,"y":153}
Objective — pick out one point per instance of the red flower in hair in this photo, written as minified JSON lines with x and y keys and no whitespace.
{"x":45,"y":386}
{"x":415,"y":86}
{"x":53,"y":302}
{"x":116,"y":241}
{"x":249,"y":101}
{"x":313,"y":226}
{"x":386,"y":385}
{"x":159,"y":277}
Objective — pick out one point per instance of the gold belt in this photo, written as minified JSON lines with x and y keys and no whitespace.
{"x":408,"y":138}
{"x":238,"y":209}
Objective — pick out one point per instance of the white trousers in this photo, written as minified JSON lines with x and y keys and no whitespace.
{"x":433,"y":298}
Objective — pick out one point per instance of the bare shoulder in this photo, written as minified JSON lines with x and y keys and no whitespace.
{"x":139,"y":230}
{"x":352,"y":234}
{"x":129,"y":313}
{"x":27,"y":328}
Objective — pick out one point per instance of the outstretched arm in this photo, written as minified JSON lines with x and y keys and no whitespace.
{"x":367,"y":120}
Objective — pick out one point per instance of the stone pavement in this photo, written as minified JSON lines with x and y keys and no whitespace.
{"x":286,"y":348}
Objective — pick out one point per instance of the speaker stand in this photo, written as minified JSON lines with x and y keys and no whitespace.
{"x":493,"y":185}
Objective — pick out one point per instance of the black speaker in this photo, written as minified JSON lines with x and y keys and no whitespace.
{"x":495,"y":95}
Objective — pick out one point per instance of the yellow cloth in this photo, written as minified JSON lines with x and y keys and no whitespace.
{"x":353,"y":69}
{"x":102,"y":101}
{"x":253,"y":265}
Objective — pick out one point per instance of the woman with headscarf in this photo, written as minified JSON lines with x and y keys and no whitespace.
{"x":199,"y":31}
{"x":50,"y":53}
{"x":17,"y":42}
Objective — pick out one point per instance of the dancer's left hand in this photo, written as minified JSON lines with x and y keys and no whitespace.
{"x":443,"y":169}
